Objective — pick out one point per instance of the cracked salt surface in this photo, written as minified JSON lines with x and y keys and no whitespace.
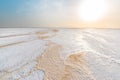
{"x":21,"y":51}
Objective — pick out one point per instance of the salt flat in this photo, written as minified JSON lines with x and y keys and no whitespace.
{"x":59,"y":54}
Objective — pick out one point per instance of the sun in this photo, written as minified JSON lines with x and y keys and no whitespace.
{"x":92,"y":10}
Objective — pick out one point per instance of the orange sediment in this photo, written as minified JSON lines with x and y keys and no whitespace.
{"x":55,"y":68}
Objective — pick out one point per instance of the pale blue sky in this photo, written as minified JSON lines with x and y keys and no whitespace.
{"x":47,"y":13}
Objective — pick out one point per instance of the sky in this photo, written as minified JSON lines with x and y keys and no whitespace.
{"x":56,"y":13}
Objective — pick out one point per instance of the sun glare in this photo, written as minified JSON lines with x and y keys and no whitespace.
{"x":92,"y":10}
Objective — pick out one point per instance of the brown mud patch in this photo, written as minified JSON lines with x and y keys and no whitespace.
{"x":44,"y":37}
{"x":45,"y":34}
{"x":55,"y":30}
{"x":55,"y":68}
{"x":41,"y":32}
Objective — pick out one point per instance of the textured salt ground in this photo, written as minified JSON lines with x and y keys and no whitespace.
{"x":81,"y":54}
